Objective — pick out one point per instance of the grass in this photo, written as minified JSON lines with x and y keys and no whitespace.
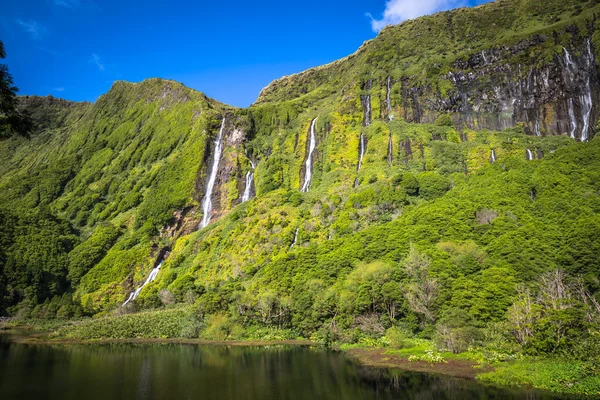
{"x":556,"y":375}
{"x":169,"y":323}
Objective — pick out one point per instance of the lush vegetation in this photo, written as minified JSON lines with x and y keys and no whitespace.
{"x":13,"y":120}
{"x":430,"y":249}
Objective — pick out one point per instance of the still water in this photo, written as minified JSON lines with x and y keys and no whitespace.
{"x":172,"y":371}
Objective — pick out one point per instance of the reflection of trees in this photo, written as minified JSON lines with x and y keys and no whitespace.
{"x":170,"y":371}
{"x":399,"y":384}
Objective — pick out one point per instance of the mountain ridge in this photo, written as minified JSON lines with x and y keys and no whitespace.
{"x":396,"y":196}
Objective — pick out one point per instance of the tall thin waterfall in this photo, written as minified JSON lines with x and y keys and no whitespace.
{"x":586,"y":97}
{"x":311,"y":147}
{"x":529,"y":155}
{"x":207,"y":202}
{"x":361,"y":152}
{"x":368,"y":111}
{"x":295,"y":237}
{"x":365,"y":101}
{"x":572,"y":119}
{"x":388,"y":99}
{"x":360,"y":157}
{"x":150,"y":278}
{"x":249,"y":182}
{"x":493,"y":157}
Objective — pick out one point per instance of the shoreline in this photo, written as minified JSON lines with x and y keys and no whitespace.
{"x":370,"y":357}
{"x":375,"y":357}
{"x":378,"y":357}
{"x":43,"y":339}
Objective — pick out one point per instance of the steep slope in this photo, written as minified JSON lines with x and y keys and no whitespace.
{"x":129,"y":160}
{"x":492,"y":66}
{"x":307,"y":210}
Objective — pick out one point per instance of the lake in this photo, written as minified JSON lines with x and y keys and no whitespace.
{"x":178,"y":371}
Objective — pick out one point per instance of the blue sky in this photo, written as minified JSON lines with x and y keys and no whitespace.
{"x":76,"y":49}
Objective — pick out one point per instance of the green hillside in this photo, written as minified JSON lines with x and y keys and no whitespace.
{"x":420,"y":222}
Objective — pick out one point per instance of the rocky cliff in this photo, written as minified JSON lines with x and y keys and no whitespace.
{"x":492,"y":67}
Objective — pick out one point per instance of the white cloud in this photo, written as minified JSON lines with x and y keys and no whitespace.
{"x":35,"y":29}
{"x":96,"y":60}
{"x":397,"y":11}
{"x":67,"y":3}
{"x":73,"y":4}
{"x":59,"y":89}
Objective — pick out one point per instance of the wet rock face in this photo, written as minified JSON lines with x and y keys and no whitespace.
{"x":365,"y":101}
{"x":228,"y":168}
{"x":492,"y":89}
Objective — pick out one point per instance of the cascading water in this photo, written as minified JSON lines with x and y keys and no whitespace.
{"x":295,"y":237}
{"x":388,"y":99}
{"x":311,"y":147}
{"x":529,"y":155}
{"x":249,"y":182}
{"x":572,"y":119}
{"x":586,"y":97}
{"x":493,"y":157}
{"x":207,"y":202}
{"x":365,"y":101}
{"x":150,"y":278}
{"x":368,"y":111}
{"x":361,"y":152}
{"x":586,"y":111}
{"x":360,"y":157}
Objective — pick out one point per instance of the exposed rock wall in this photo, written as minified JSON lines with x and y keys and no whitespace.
{"x":491,"y":90}
{"x":230,"y":178}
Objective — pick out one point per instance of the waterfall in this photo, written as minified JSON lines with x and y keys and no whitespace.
{"x":207,"y":202}
{"x":150,"y":278}
{"x":311,"y":148}
{"x":362,"y":152}
{"x":249,"y":181}
{"x":368,"y":112}
{"x":388,"y":98}
{"x":365,"y":101}
{"x":537,"y":127}
{"x":569,"y":77}
{"x":586,"y":97}
{"x":572,"y":119}
{"x":529,"y":155}
{"x":295,"y":237}
{"x":586,"y":110}
{"x":493,"y":157}
{"x":390,"y":155}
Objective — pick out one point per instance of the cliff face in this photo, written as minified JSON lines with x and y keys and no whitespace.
{"x":492,"y":90}
{"x":493,"y":67}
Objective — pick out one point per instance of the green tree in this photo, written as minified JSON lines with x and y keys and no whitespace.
{"x":12,"y":119}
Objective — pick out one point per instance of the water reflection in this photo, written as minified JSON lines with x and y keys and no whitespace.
{"x":169,"y":371}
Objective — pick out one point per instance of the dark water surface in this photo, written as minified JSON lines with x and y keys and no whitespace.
{"x":171,"y":372}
